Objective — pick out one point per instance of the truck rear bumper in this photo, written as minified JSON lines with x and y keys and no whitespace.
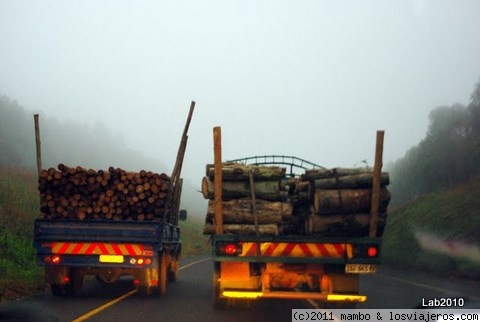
{"x":294,"y":295}
{"x":127,"y":262}
{"x":296,"y":249}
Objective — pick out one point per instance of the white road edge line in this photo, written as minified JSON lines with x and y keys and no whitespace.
{"x":429,"y":287}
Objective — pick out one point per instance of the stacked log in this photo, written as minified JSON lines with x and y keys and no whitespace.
{"x":341,"y":201}
{"x":272,"y":208}
{"x":113,"y":194}
{"x":333,"y":202}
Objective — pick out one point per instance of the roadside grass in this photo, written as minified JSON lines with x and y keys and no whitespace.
{"x":193,"y":240}
{"x":451,"y":221}
{"x":19,"y":206}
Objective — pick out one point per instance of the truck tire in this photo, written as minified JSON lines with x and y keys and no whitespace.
{"x":218,"y":303}
{"x":74,"y":288}
{"x":162,"y":273}
{"x":173,"y":271}
{"x":58,"y":289}
{"x":144,"y":290}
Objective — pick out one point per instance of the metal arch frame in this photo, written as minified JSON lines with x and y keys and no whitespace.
{"x":288,"y":160}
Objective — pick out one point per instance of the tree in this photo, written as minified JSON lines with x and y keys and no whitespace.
{"x":448,"y":155}
{"x":474,"y":135}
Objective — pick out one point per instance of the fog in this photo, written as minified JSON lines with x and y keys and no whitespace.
{"x":314,"y":79}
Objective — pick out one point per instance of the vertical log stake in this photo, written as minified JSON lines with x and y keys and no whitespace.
{"x":38,"y":144}
{"x":377,"y":172}
{"x":254,"y":210}
{"x":175,"y":193}
{"x":217,"y":151}
{"x":254,"y":201}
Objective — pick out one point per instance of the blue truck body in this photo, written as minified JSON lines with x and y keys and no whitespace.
{"x":108,"y":249}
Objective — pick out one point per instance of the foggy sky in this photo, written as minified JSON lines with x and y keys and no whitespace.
{"x":314,"y":79}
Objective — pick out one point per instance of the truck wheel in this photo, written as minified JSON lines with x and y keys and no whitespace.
{"x":74,"y":288}
{"x":173,"y":271}
{"x":162,"y":273}
{"x":218,"y":303}
{"x":58,"y":289}
{"x":144,"y":290}
{"x":100,"y":280}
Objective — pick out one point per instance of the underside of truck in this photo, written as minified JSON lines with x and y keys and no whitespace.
{"x":148,"y":278}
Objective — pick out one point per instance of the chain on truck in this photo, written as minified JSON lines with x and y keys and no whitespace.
{"x":326,"y":232}
{"x":109,"y":224}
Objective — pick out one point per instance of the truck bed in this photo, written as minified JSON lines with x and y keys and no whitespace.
{"x":150,"y":232}
{"x":81,"y":242}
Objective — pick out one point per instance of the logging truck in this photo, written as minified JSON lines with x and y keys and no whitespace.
{"x":109,"y":223}
{"x":275,"y":234}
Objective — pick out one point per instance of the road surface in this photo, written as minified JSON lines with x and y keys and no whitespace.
{"x":189,"y":299}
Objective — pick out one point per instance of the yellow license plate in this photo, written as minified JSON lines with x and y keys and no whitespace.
{"x":111,"y":259}
{"x":360,"y":269}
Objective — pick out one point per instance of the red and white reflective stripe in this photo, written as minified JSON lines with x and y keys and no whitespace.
{"x":332,"y":250}
{"x":97,"y":249}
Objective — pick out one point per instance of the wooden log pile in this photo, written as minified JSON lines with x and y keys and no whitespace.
{"x":235,"y":182}
{"x":334,"y":202}
{"x":340,"y":201}
{"x":272,"y":208}
{"x":113,"y":194}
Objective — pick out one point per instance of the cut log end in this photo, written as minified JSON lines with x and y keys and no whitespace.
{"x":78,"y":193}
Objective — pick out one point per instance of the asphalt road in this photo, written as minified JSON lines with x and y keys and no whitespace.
{"x":189,"y":299}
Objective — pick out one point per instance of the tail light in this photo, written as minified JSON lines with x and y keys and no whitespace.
{"x":140,"y":261}
{"x":230,"y":249}
{"x":366,"y":250}
{"x":372,"y":251}
{"x":55,"y":259}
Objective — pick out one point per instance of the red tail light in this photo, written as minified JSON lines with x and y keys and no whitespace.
{"x":230,"y":249}
{"x":372,"y":251}
{"x":66,"y":279}
{"x":55,"y":259}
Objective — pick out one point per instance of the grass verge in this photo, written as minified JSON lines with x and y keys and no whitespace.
{"x":193,"y":240}
{"x":19,"y":274}
{"x":437,"y":232}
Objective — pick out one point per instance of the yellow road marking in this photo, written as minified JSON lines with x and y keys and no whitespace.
{"x":103,"y":307}
{"x":193,"y":263}
{"x":426,"y":286}
{"x":124,"y":296}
